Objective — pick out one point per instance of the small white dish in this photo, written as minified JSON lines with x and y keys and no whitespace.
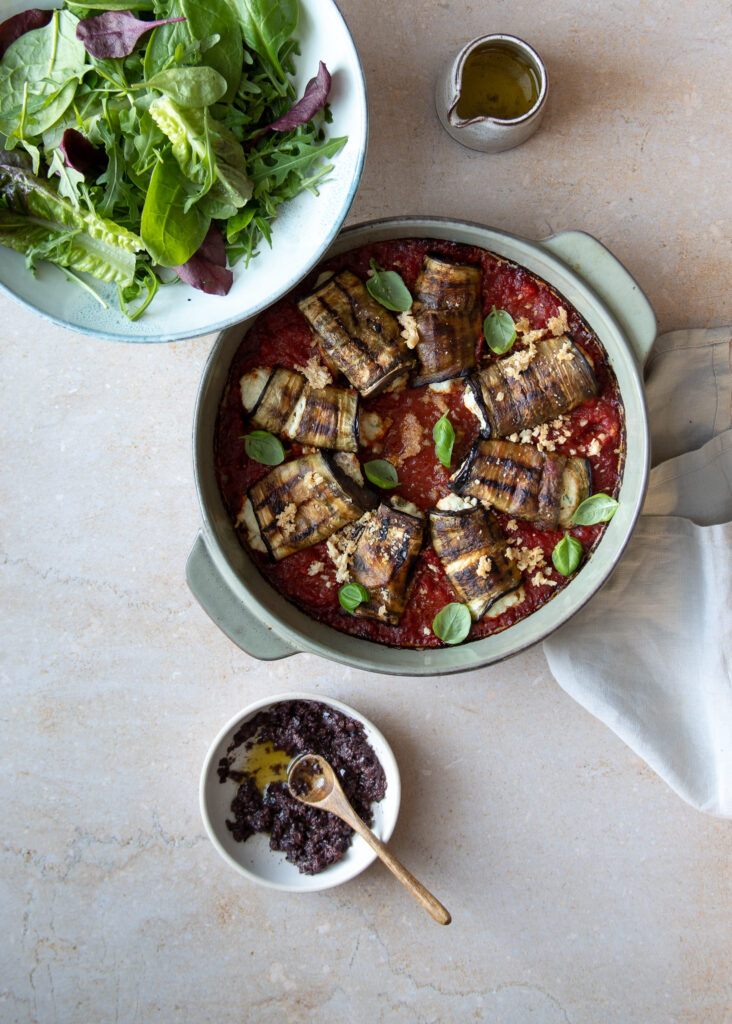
{"x":303,"y":230}
{"x":253,"y":858}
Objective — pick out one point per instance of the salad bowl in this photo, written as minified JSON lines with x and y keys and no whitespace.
{"x":303,"y":230}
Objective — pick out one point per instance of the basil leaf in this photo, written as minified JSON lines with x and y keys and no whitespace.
{"x":499,"y":330}
{"x":598,"y":508}
{"x":381,"y":473}
{"x":567,"y":555}
{"x":351,"y":595}
{"x":444,"y":438}
{"x":264,"y":447}
{"x":388,"y":288}
{"x":452,"y":623}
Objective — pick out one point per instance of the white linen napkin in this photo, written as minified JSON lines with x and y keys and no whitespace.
{"x":651,"y":654}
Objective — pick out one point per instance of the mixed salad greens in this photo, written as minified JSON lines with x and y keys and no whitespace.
{"x":146,"y":140}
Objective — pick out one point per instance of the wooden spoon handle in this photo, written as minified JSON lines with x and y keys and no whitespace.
{"x":425,"y":897}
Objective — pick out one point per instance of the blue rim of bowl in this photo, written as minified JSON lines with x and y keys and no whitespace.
{"x":160,"y":339}
{"x":394,"y":782}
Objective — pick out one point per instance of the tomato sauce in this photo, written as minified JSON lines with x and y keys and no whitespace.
{"x":281,"y":337}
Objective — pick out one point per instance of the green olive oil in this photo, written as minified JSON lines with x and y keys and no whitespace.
{"x":496,"y":82}
{"x":264,"y":763}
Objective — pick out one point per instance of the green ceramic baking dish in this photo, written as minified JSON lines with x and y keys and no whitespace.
{"x":246,"y":607}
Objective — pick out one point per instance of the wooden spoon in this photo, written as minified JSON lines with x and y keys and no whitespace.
{"x":312,"y":781}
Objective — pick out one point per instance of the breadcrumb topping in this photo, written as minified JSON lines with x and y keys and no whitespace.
{"x":317,"y":375}
{"x":526,"y":559}
{"x":411,"y":434}
{"x":540,"y":580}
{"x":286,"y":519}
{"x":315,"y":568}
{"x":483,"y":567}
{"x":409,"y":332}
{"x":558,"y":324}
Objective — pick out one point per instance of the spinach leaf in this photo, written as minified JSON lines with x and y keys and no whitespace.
{"x":171,"y":235}
{"x":499,"y":330}
{"x":388,"y":288}
{"x":452,"y":623}
{"x":351,"y":595}
{"x":266,"y":26}
{"x":598,"y":508}
{"x":209,"y":17}
{"x":39,"y":76}
{"x":381,"y":473}
{"x":567,"y":555}
{"x":188,"y":87}
{"x":264,"y":447}
{"x":443,"y":435}
{"x":15,"y":27}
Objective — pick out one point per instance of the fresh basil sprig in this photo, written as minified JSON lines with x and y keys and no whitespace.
{"x":598,"y":508}
{"x":264,"y":447}
{"x":499,"y":330}
{"x":388,"y":288}
{"x":452,"y":623}
{"x":444,"y":438}
{"x":351,"y":595}
{"x":567,"y":555}
{"x":381,"y":473}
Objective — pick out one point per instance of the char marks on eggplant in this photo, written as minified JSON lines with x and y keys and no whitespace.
{"x":302,"y":502}
{"x":357,"y":335}
{"x":382,"y":557}
{"x":472,"y":548}
{"x":524,"y":482}
{"x":447,"y":310}
{"x":512,"y":397}
{"x":288,"y":406}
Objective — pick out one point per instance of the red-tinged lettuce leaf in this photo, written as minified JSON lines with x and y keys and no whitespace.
{"x":79,"y":153}
{"x":115,"y":33}
{"x":313,"y":99}
{"x":206,"y":269}
{"x":19,"y":24}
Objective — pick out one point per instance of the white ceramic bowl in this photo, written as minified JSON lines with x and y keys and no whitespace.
{"x":253,"y":858}
{"x":302,"y":232}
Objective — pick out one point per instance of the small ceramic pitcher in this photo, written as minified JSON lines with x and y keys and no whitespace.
{"x":489,"y":134}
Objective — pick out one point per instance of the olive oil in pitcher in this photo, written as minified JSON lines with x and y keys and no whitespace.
{"x":496,"y":82}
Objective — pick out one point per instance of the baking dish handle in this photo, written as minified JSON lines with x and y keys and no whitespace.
{"x":597,"y":266}
{"x":227,"y":610}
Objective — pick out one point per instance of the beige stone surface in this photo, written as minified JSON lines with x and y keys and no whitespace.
{"x":583,"y":891}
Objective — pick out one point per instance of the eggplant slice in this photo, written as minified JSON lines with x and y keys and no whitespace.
{"x":383,"y":559}
{"x":447,"y":311}
{"x":302,"y":502}
{"x":472,"y":548}
{"x":357,"y":335}
{"x":556,"y":380}
{"x":288,"y":406}
{"x":524,"y":482}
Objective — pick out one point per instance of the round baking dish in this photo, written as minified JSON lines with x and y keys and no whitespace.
{"x":265,"y":625}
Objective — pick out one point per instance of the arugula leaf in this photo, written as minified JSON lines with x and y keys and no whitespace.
{"x":39,"y":76}
{"x":69,"y":179}
{"x":171,"y":235}
{"x":267,"y":26}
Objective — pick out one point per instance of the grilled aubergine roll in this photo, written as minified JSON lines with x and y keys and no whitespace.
{"x":507,"y":399}
{"x":357,"y":335}
{"x":383,"y":560}
{"x":472,"y":548}
{"x":449,"y":320}
{"x":283,"y":402}
{"x":544,"y":488}
{"x":300,"y":503}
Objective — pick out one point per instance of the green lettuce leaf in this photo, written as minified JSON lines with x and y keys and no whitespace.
{"x":32,"y":212}
{"x":206,"y":152}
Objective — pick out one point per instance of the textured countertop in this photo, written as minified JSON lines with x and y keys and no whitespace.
{"x":583,"y":891}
